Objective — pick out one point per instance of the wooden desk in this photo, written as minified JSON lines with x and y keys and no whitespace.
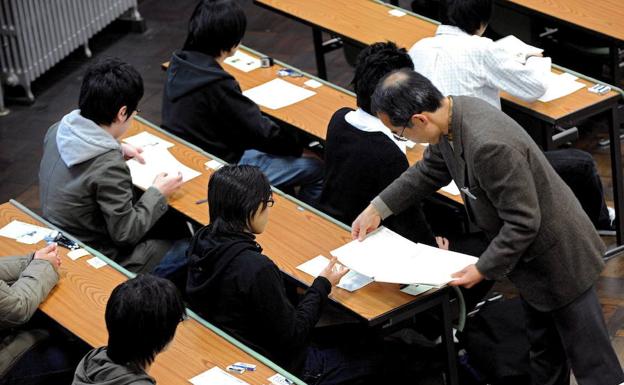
{"x":79,"y":300}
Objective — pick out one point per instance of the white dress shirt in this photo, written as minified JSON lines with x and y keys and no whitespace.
{"x":366,"y":122}
{"x":461,"y":64}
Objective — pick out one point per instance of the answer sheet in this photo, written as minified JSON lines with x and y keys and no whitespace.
{"x":25,"y":232}
{"x":277,"y":94}
{"x":560,"y":85}
{"x":157,"y":160}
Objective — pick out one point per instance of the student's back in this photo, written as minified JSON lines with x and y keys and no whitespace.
{"x":98,"y":368}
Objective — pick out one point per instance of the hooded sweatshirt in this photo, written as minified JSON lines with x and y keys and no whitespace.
{"x":97,"y":368}
{"x":204,"y":105}
{"x":232,"y":284}
{"x":86,"y":190}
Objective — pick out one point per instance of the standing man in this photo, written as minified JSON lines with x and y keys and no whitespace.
{"x":540,"y":238}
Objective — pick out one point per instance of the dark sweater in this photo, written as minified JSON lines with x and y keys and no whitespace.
{"x":232,"y":284}
{"x":358,"y":166}
{"x":204,"y":105}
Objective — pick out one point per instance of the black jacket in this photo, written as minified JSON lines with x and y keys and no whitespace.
{"x":231,"y":284}
{"x":358,"y":166}
{"x":204,"y":105}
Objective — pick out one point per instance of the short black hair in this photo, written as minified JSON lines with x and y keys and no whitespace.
{"x":142,"y":315}
{"x":216,"y":26}
{"x":234,"y":195}
{"x":469,"y":15}
{"x":108,"y":85}
{"x":403,"y":93}
{"x":373,"y":63}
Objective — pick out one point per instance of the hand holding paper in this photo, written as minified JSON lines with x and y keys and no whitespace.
{"x":334,"y":272}
{"x":467,"y":277}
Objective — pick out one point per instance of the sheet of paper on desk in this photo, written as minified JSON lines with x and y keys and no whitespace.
{"x":560,"y":85}
{"x":388,"y":257}
{"x":519,"y":49}
{"x":145,"y":139}
{"x":451,"y":188}
{"x":277,"y":94}
{"x":352,"y":281}
{"x":241,"y":61}
{"x":216,"y":376}
{"x":157,"y":160}
{"x":24,"y":232}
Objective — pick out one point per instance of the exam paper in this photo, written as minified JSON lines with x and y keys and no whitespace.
{"x":157,"y":160}
{"x":241,"y":61}
{"x":517,"y":48}
{"x":451,"y":188}
{"x":25,"y":232}
{"x":145,"y":139}
{"x":560,"y":85}
{"x":388,"y":257}
{"x":277,"y":94}
{"x":216,"y":376}
{"x":352,"y":281}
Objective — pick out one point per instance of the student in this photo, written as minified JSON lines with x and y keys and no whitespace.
{"x":203,"y":104}
{"x":459,"y":61}
{"x":232,"y":284}
{"x":142,"y":315}
{"x":85,"y":185}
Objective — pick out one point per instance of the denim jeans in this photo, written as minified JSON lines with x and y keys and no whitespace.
{"x":335,"y":366}
{"x":286,"y":172}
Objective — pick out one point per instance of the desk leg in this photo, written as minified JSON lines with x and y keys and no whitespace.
{"x":319,"y":52}
{"x":3,"y":111}
{"x":616,"y":171}
{"x":447,"y":340}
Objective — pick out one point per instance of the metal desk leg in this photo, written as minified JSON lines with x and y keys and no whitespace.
{"x":447,"y":340}
{"x":616,"y":171}
{"x":319,"y":52}
{"x":3,"y":111}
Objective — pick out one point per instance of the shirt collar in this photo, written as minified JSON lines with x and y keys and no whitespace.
{"x":366,"y":122}
{"x":450,"y":30}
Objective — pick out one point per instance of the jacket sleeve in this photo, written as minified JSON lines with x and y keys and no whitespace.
{"x":511,"y":190}
{"x":254,"y":129}
{"x":417,"y":182}
{"x":19,"y":300}
{"x":126,"y":221}
{"x":290,"y":325}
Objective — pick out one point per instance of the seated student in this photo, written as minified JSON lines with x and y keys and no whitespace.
{"x":459,"y":61}
{"x":203,"y":104}
{"x":232,"y":284}
{"x":85,"y":185}
{"x":30,"y":354}
{"x":142,"y":315}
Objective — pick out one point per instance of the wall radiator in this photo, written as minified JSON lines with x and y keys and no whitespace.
{"x":37,"y":34}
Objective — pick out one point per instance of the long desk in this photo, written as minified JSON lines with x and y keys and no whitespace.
{"x":79,"y":300}
{"x":368,"y":15}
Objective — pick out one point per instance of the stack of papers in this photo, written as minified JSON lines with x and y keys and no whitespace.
{"x":157,"y":160}
{"x":145,"y":139}
{"x":277,"y":94}
{"x":352,"y":281}
{"x":560,"y":85}
{"x":25,"y":232}
{"x":518,"y":49}
{"x":388,"y":257}
{"x":241,"y":61}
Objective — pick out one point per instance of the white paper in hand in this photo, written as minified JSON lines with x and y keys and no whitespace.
{"x":157,"y":160}
{"x":24,"y":232}
{"x":241,"y":61}
{"x":277,"y":94}
{"x":216,"y":376}
{"x":352,"y":281}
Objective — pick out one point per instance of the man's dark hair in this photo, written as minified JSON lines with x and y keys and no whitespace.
{"x":373,"y":63}
{"x":234,"y":195}
{"x":469,"y":15}
{"x":216,"y":26}
{"x":403,"y":93}
{"x":108,"y":85}
{"x":142,"y":315}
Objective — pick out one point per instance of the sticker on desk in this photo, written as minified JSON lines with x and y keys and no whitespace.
{"x":214,"y":164}
{"x":216,"y":376}
{"x":278,"y":379}
{"x":397,"y":13}
{"x":313,"y":83}
{"x":76,"y":254}
{"x":145,"y":139}
{"x":25,"y":232}
{"x":96,"y":262}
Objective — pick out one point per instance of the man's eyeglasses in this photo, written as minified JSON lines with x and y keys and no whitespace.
{"x":400,"y":136}
{"x":270,"y":202}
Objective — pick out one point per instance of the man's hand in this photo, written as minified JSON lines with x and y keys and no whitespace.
{"x":367,"y":221}
{"x":334,"y":271}
{"x":167,"y":184}
{"x":131,"y":152}
{"x":50,"y":254}
{"x":467,"y":277}
{"x":442,"y":243}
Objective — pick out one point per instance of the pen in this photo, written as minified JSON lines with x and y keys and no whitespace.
{"x":199,"y":202}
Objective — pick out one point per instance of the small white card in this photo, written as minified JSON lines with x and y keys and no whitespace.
{"x":145,"y":139}
{"x":24,"y":232}
{"x":241,"y":61}
{"x":96,"y":262}
{"x":214,"y":164}
{"x":397,"y":13}
{"x":75,"y":254}
{"x":216,"y":376}
{"x":313,"y":83}
{"x":278,"y":379}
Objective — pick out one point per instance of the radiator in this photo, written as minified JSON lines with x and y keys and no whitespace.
{"x":37,"y":34}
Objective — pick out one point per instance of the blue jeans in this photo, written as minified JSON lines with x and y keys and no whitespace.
{"x":286,"y":172}
{"x":335,"y":366}
{"x":173,"y":266}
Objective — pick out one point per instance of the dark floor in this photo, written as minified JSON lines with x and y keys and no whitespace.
{"x":22,"y":131}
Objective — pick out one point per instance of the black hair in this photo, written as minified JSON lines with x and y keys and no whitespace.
{"x":108,"y":85}
{"x":142,"y":315}
{"x":469,"y":15}
{"x":403,"y":93}
{"x":234,"y":195}
{"x":373,"y":63}
{"x":216,"y":26}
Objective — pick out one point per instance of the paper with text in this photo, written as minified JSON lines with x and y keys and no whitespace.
{"x":24,"y":232}
{"x":277,"y":94}
{"x":241,"y":61}
{"x":157,"y":160}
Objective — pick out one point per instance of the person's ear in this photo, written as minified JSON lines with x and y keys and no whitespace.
{"x":419,"y":120}
{"x":122,"y":114}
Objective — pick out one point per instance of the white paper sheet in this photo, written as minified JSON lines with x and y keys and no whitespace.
{"x":157,"y":159}
{"x":352,"y":281}
{"x":388,"y":257}
{"x":560,"y":85}
{"x":277,"y":94}
{"x":213,"y":164}
{"x":216,"y":376}
{"x":313,"y":83}
{"x":76,"y":254}
{"x":145,"y":139}
{"x":451,"y":188}
{"x":96,"y":262}
{"x":241,"y":61}
{"x":25,"y":232}
{"x":519,"y":49}
{"x":278,"y":379}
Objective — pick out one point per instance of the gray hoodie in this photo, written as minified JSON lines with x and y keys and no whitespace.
{"x":97,"y":368}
